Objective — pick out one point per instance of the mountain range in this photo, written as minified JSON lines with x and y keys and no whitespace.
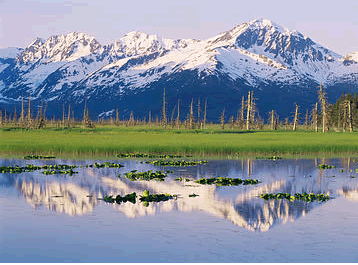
{"x":280,"y":66}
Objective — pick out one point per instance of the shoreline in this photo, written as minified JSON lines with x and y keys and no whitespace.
{"x":108,"y":141}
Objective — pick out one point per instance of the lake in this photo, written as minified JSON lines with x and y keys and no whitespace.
{"x":62,"y":218}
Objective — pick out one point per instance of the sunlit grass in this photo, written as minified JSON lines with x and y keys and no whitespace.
{"x":111,"y":140}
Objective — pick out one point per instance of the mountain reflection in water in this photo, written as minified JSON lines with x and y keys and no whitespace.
{"x":79,"y":195}
{"x":349,"y":194}
{"x":66,"y":198}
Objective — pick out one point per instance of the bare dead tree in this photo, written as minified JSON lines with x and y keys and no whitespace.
{"x":29,"y":119}
{"x":177,"y":120}
{"x":149,"y":118}
{"x":22,"y":115}
{"x":68,"y":116}
{"x":191,"y":116}
{"x":248,"y":112}
{"x":222,"y":119}
{"x":295,"y":119}
{"x":323,"y":103}
{"x":350,"y":120}
{"x":172,"y":117}
{"x":272,"y":120}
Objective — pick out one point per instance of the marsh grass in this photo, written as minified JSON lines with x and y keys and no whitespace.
{"x":110,"y":140}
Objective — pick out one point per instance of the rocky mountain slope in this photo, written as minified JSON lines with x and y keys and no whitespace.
{"x":280,"y":66}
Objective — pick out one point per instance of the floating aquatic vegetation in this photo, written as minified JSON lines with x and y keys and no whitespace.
{"x":307,"y":197}
{"x":109,"y":199}
{"x":224,"y":181}
{"x":119,"y":199}
{"x":53,"y":172}
{"x":127,"y":198}
{"x":173,"y":163}
{"x":270,"y":158}
{"x":31,"y":168}
{"x":147,"y":175}
{"x":139,"y":155}
{"x":30,"y":157}
{"x":11,"y":169}
{"x":193,"y":195}
{"x":147,"y":197}
{"x":325,"y":166}
{"x":58,"y":166}
{"x":146,"y":193}
{"x":107,"y":165}
{"x":181,"y":179}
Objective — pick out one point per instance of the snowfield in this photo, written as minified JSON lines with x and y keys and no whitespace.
{"x":258,"y":53}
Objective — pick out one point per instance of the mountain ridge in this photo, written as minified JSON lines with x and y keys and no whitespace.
{"x":259,"y":55}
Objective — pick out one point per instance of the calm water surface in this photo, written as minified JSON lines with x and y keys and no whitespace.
{"x":61,"y":218}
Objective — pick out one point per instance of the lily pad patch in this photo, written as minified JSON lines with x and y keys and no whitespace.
{"x":225,"y":181}
{"x":307,"y":197}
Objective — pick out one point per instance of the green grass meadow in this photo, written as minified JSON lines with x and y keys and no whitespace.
{"x":110,"y":140}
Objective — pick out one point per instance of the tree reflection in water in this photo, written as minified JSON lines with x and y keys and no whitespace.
{"x":247,"y":211}
{"x":79,"y":195}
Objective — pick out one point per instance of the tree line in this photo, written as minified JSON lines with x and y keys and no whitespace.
{"x":340,"y":116}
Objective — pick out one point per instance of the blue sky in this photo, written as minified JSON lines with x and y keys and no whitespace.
{"x":333,"y":24}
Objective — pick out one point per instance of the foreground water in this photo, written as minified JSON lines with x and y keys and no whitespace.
{"x":60,"y":218}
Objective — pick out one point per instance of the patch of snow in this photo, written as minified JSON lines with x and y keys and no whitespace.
{"x":58,"y":48}
{"x":106,"y":114}
{"x":118,"y":63}
{"x":2,"y":85}
{"x":52,"y":98}
{"x":351,"y":57}
{"x":35,"y":77}
{"x":80,"y":59}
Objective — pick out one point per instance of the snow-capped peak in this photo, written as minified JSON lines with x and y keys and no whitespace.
{"x":262,"y":32}
{"x":255,"y":54}
{"x":138,"y":35}
{"x":353,"y":56}
{"x":262,"y":23}
{"x":137,"y":43}
{"x":56,"y":48}
{"x":254,"y":32}
{"x":36,"y":42}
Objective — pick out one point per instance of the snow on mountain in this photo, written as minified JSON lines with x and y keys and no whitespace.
{"x":61,"y":55}
{"x":352,"y":57}
{"x":138,"y":43}
{"x":256,"y":54}
{"x":7,"y":57}
{"x":345,"y":70}
{"x":239,"y":51}
{"x":58,"y":48}
{"x":227,"y":53}
{"x":71,"y":74}
{"x":289,"y":48}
